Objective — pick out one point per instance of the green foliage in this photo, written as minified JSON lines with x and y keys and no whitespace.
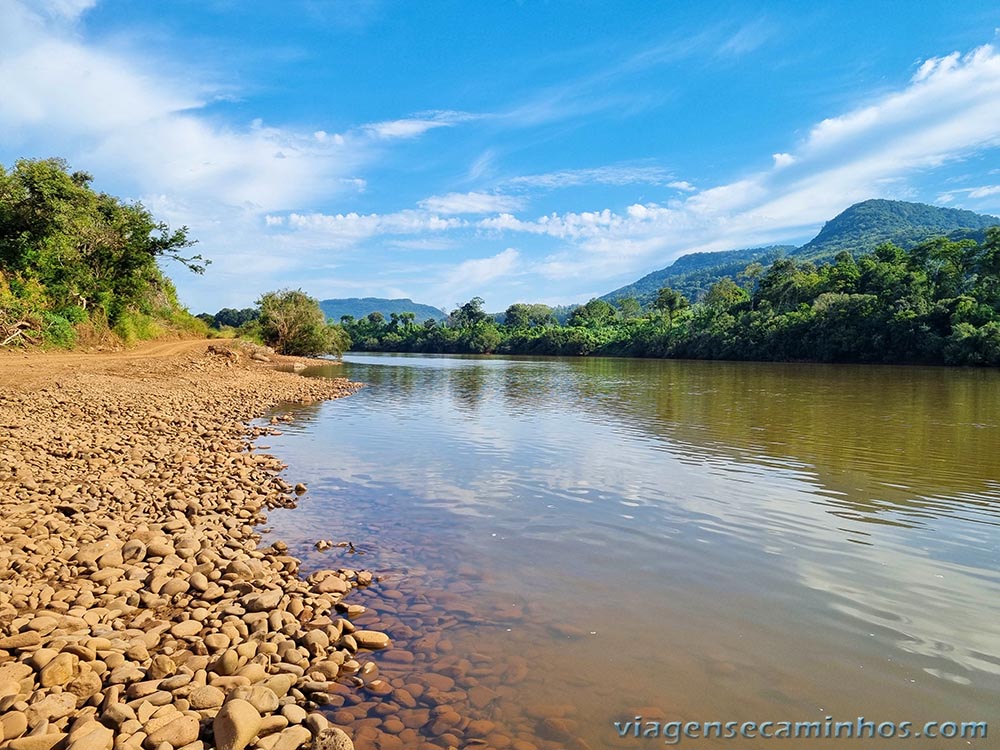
{"x":629,"y":308}
{"x":131,"y":327}
{"x":59,"y":331}
{"x":693,"y":274}
{"x":936,"y":303}
{"x":229,"y":317}
{"x":594,"y":314}
{"x":469,"y":314}
{"x":292,"y":322}
{"x":862,"y":227}
{"x":521,"y":315}
{"x":73,"y":258}
{"x":670,"y":302}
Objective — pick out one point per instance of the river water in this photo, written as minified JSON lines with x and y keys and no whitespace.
{"x":569,"y":543}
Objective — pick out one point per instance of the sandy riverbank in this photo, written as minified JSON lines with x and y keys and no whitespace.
{"x":136,"y":610}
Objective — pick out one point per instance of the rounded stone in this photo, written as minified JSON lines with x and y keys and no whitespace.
{"x":236,"y":724}
{"x":206,"y":697}
{"x":180,"y":732}
{"x":372,"y":639}
{"x":332,"y":738}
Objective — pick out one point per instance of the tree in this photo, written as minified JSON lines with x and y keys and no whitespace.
{"x":725,"y":293}
{"x":86,"y":252}
{"x":517,"y":315}
{"x":670,"y":302}
{"x":467,"y":315}
{"x":293,"y":323}
{"x":629,"y":308}
{"x":521,"y":315}
{"x":594,"y":314}
{"x":234,"y":318}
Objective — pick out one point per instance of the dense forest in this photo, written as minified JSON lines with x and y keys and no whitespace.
{"x":859,"y":229}
{"x":937,"y":303}
{"x":76,"y":264}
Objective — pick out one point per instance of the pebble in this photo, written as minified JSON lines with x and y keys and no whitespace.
{"x":371,"y":639}
{"x":178,"y":733}
{"x":130,"y":558}
{"x":332,"y":738}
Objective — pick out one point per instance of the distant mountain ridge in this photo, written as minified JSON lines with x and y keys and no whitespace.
{"x":359,"y":307}
{"x":866,"y":225}
{"x":858,"y":229}
{"x":694,"y":273}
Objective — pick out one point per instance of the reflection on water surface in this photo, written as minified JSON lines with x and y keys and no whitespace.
{"x":571,"y":542}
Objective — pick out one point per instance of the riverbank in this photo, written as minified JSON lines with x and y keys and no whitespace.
{"x":136,"y":609}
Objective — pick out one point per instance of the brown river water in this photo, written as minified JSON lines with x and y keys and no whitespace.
{"x":569,"y":543}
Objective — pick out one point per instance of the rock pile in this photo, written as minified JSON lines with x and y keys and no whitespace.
{"x":137,"y":610}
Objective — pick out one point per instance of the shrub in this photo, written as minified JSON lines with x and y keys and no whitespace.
{"x":292,"y":322}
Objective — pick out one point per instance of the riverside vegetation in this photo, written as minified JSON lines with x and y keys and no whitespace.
{"x":79,"y":266}
{"x":937,"y":303}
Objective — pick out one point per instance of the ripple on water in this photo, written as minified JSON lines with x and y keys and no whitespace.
{"x":566,"y":543}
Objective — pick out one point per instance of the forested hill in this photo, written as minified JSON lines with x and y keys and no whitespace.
{"x":858,"y":229}
{"x":359,"y":307}
{"x":692,"y":275}
{"x":864,"y":226}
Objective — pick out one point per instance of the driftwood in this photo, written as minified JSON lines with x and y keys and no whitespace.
{"x":15,"y":331}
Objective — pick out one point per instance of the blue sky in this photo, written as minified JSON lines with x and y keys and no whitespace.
{"x":520,"y":151}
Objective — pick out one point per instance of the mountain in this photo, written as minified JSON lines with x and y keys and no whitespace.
{"x":864,"y":226}
{"x":859,"y":229}
{"x":359,"y":307}
{"x":694,"y":273}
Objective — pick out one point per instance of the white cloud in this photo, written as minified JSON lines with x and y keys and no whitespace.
{"x":608,"y":175}
{"x":985,"y":191}
{"x":145,"y":128}
{"x":347,"y":230}
{"x":682,"y":185}
{"x":946,"y":113}
{"x":479,"y":271}
{"x":975,"y":193}
{"x":483,"y":166}
{"x":67,"y":10}
{"x":412,"y":127}
{"x":747,"y":38}
{"x":471,"y":203}
{"x":783,"y":160}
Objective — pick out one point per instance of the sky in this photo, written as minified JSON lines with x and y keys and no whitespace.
{"x":517,"y":150}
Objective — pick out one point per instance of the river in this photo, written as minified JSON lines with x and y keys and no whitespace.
{"x":579,"y":542}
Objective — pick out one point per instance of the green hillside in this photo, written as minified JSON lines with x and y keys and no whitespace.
{"x":864,"y":226}
{"x":693,"y":274}
{"x":359,"y":307}
{"x":858,"y":229}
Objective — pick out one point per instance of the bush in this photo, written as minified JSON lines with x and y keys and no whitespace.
{"x":133,"y":326}
{"x":58,"y":331}
{"x":292,"y":322}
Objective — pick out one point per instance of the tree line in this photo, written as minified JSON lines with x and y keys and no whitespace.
{"x":937,"y":303}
